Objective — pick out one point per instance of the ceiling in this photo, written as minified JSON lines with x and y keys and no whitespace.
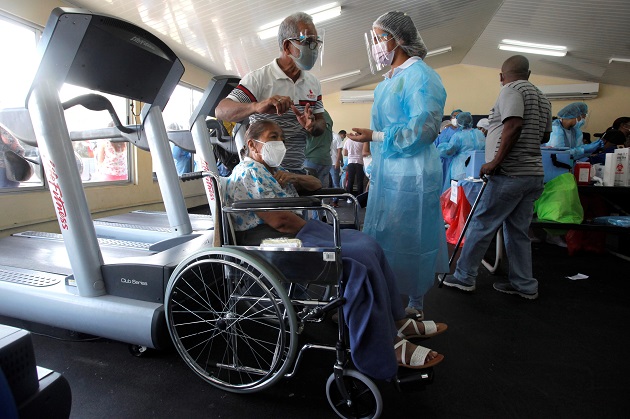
{"x":220,"y":35}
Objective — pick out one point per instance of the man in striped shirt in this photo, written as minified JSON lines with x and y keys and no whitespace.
{"x":519,"y":122}
{"x":284,"y":91}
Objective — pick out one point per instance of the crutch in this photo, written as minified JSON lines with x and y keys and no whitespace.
{"x":484,"y":178}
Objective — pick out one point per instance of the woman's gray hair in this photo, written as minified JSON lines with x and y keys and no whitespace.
{"x":289,"y":26}
{"x":254,"y":131}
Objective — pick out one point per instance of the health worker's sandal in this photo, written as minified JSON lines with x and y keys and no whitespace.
{"x":430,"y":329}
{"x":418,"y":357}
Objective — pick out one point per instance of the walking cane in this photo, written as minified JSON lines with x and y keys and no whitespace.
{"x":484,"y":178}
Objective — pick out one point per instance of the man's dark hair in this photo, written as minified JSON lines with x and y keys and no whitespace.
{"x":343,"y":131}
{"x":620,"y":121}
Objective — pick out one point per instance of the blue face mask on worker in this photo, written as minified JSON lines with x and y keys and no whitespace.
{"x":309,"y":51}
{"x":272,"y":152}
{"x":580,"y":123}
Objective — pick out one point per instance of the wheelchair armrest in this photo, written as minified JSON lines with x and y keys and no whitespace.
{"x":253,"y":204}
{"x":324,"y":191}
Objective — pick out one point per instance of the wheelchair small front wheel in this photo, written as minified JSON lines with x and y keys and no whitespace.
{"x":365,"y":397}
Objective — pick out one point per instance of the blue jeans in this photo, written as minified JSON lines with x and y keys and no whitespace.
{"x":320,"y":171}
{"x":507,"y":201}
{"x":334,"y":176}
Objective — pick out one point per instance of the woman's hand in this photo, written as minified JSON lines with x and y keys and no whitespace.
{"x":307,"y":182}
{"x":361,"y":135}
{"x":284,"y":177}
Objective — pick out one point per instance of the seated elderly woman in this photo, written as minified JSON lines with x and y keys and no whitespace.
{"x":376,"y":320}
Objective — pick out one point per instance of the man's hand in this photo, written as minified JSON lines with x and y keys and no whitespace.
{"x":361,"y":135}
{"x":306,"y":118}
{"x":488,"y":168}
{"x":276,"y":104}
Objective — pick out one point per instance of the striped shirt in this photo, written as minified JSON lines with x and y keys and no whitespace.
{"x":270,"y":80}
{"x":523,"y":100}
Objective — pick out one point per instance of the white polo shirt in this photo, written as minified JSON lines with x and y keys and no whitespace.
{"x":270,"y":80}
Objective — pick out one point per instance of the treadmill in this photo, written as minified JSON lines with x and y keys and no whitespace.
{"x":135,"y":225}
{"x":79,"y":283}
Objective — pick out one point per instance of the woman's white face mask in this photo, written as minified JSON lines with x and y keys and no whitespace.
{"x":272,"y":152}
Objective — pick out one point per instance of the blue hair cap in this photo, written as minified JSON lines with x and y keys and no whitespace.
{"x":573,"y":110}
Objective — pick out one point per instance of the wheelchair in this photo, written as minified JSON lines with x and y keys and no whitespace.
{"x":235,"y":312}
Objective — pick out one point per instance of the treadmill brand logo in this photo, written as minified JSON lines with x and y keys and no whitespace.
{"x":55,"y":190}
{"x":143,"y":42}
{"x":133,"y":282}
{"x":208,"y":181}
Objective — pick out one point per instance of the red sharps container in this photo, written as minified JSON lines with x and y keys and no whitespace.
{"x":582,"y":173}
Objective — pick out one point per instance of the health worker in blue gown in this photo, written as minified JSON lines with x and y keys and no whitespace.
{"x":567,"y":131}
{"x":403,"y":211}
{"x":458,"y":148}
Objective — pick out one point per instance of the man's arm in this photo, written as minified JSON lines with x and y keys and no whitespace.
{"x":339,"y":160}
{"x":512,"y":127}
{"x":319,"y":125}
{"x":546,"y":137}
{"x":366,"y":149}
{"x":232,"y":111}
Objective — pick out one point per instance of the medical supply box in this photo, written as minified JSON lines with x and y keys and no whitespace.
{"x":556,"y":161}
{"x":475,"y":160}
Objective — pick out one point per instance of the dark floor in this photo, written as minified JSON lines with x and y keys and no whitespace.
{"x":561,"y":356}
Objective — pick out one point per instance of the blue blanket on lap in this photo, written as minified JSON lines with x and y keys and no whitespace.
{"x":369,"y":290}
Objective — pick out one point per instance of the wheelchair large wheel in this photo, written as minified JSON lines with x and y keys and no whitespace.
{"x":365,"y":396}
{"x":231,"y":320}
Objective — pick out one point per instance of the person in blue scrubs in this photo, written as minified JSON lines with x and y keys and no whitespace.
{"x":566,"y":131}
{"x":458,"y":148}
{"x":403,"y":211}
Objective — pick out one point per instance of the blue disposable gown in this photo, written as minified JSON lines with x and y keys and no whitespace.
{"x":444,"y":137}
{"x":562,"y":137}
{"x":458,"y":148}
{"x":403,"y":212}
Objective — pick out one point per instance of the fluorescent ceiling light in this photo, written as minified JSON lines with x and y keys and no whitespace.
{"x":439,"y":51}
{"x":532,"y":48}
{"x":620,"y":60}
{"x":340,"y":76}
{"x":319,"y":14}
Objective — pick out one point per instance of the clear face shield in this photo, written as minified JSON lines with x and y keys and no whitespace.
{"x":311,"y":49}
{"x":379,"y":56}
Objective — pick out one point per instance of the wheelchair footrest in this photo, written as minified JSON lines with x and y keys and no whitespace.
{"x":413,"y":380}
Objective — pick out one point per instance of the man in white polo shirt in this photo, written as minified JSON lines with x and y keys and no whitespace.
{"x":284,"y":91}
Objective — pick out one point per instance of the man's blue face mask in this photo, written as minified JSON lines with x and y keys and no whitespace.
{"x":309,"y":49}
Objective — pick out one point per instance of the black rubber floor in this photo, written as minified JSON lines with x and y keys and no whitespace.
{"x":561,"y":356}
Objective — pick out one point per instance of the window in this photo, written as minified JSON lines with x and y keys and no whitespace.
{"x":176,"y":115}
{"x":16,"y":76}
{"x":97,"y":160}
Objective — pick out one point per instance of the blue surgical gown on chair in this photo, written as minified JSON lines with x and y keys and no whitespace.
{"x":403,"y":212}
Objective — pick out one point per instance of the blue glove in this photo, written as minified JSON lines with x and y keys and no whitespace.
{"x":593,"y":147}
